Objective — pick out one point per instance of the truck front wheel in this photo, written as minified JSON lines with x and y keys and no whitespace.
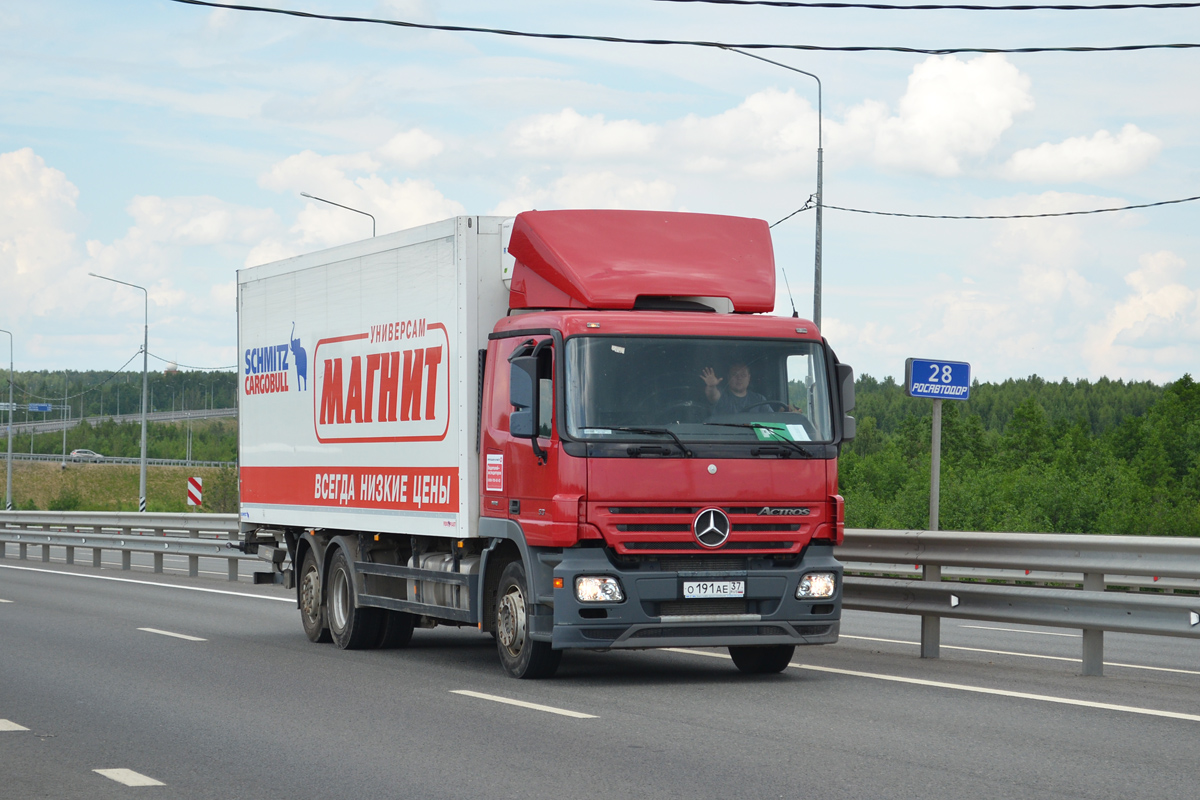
{"x":762,"y":659}
{"x":521,"y":656}
{"x":312,"y":608}
{"x":352,"y":626}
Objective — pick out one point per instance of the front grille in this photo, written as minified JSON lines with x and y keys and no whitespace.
{"x":697,"y":547}
{"x":723,"y":605}
{"x":767,"y":526}
{"x":671,"y":527}
{"x":652,"y":510}
{"x":671,"y":631}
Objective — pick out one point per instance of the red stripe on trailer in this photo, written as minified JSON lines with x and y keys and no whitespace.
{"x":393,"y":488}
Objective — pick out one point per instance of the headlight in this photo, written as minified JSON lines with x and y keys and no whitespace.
{"x":598,"y":589}
{"x":816,"y":584}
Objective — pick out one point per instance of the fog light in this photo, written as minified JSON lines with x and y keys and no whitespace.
{"x":598,"y":589}
{"x":816,"y":584}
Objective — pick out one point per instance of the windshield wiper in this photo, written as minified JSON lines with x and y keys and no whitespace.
{"x":758,"y":426}
{"x":663,"y":431}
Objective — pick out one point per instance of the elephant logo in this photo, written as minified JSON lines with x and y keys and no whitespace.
{"x":301,"y":358}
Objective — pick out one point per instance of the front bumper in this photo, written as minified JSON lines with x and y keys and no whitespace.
{"x":655,"y":614}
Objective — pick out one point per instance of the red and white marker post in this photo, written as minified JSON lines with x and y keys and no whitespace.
{"x":195,"y":491}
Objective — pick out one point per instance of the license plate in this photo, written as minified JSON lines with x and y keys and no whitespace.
{"x":697,"y":589}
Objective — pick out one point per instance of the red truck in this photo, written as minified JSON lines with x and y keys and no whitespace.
{"x":571,"y":429}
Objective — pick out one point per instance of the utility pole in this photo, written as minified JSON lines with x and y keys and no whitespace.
{"x":819,"y":197}
{"x":8,"y":501}
{"x":65,"y":416}
{"x":145,"y":380}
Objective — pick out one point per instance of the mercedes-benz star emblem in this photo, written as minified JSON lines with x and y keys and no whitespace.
{"x":711,"y":527}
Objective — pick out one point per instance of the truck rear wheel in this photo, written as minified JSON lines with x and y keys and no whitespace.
{"x":762,"y":659}
{"x":312,"y":606}
{"x":521,"y":656}
{"x":352,"y":626}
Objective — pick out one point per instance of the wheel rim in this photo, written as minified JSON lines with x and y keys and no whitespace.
{"x":510,"y":621}
{"x":310,"y":590}
{"x":339,"y":596}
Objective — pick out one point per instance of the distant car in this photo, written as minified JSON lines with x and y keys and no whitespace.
{"x":86,"y":455}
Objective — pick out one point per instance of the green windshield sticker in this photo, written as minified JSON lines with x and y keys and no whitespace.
{"x":774,"y":431}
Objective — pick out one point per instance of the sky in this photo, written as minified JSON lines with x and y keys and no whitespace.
{"x":167,"y":145}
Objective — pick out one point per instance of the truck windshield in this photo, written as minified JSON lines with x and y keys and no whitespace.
{"x":698,"y":389}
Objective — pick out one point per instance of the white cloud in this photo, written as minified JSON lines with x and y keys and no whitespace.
{"x":38,"y":220}
{"x":769,"y":133}
{"x":1082,"y":159}
{"x":1155,"y":331}
{"x":952,"y":110}
{"x":569,"y":134}
{"x":590,"y":190}
{"x":409,"y":148}
{"x":351,"y":180}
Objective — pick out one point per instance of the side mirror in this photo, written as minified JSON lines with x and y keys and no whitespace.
{"x":523,"y":396}
{"x":846,"y":379}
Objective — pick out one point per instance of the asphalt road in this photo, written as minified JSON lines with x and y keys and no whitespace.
{"x":255,"y":710}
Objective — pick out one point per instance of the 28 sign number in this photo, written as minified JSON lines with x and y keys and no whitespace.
{"x":946,"y":370}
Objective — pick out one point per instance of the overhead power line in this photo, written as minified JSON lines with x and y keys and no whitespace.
{"x":189,"y":366}
{"x":26,"y":393}
{"x":810,"y":204}
{"x":937,"y":7}
{"x":691,"y":43}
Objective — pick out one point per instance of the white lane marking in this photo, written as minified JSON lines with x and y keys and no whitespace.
{"x":150,"y":583}
{"x":962,"y":687}
{"x":1019,"y":630}
{"x":548,"y":709}
{"x":5,"y":601}
{"x":176,"y":635}
{"x":1027,"y":655}
{"x":9,"y":725}
{"x":128,"y":777}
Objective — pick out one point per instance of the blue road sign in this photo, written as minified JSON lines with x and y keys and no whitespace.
{"x":40,"y":407}
{"x":937,"y":380}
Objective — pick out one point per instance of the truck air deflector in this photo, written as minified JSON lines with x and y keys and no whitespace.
{"x":607,"y":259}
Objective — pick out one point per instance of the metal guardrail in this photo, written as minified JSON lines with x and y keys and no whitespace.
{"x":1021,"y":578}
{"x":1099,"y":561}
{"x":154,"y":462}
{"x":128,"y":532}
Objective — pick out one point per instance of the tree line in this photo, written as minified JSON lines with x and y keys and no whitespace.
{"x":93,"y":393}
{"x":1030,"y":455}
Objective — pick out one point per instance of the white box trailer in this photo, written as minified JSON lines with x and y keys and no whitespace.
{"x":371,"y":343}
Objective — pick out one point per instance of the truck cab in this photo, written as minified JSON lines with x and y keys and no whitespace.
{"x":669,"y":459}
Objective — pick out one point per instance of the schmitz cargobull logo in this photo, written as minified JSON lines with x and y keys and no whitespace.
{"x":390,"y":384}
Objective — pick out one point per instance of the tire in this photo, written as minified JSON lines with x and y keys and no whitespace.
{"x":312,"y":604}
{"x":762,"y":659}
{"x":352,"y":627}
{"x":520,"y":655}
{"x":395,"y":629}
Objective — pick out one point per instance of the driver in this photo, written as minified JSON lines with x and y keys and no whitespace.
{"x":738,"y":396}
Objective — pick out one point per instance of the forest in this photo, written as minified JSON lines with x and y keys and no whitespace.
{"x":1030,"y":455}
{"x":91,"y":394}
